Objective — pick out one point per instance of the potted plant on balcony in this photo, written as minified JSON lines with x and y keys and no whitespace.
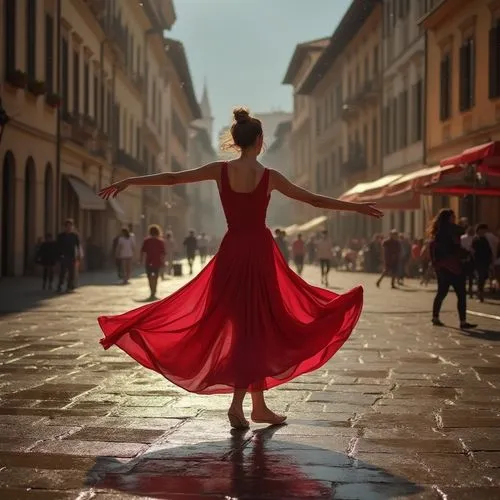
{"x":53,"y":100}
{"x":18,"y":79}
{"x":36,"y":87}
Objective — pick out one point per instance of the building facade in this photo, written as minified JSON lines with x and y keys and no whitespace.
{"x":402,"y":138}
{"x":463,"y":90}
{"x":345,"y":85}
{"x":278,"y":156}
{"x":303,"y":153}
{"x":87,"y":91}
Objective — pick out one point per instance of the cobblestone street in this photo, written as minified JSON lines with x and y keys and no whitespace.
{"x":404,"y":410}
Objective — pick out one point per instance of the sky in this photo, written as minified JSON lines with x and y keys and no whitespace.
{"x":243,"y":47}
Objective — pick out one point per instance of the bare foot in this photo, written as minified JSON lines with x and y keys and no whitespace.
{"x":237,"y":419}
{"x":266,"y":416}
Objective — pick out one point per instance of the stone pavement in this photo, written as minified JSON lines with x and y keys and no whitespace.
{"x":404,"y":410}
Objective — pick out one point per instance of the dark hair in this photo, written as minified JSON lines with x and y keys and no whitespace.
{"x":442,"y":219}
{"x":154,"y":230}
{"x":244,"y":131}
{"x":69,"y":221}
{"x":481,"y":227}
{"x":125,"y":232}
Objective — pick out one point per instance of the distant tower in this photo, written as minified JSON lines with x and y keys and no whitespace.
{"x":207,"y":120}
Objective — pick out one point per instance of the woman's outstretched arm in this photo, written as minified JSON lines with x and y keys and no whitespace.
{"x":210,"y":171}
{"x":280,"y":183}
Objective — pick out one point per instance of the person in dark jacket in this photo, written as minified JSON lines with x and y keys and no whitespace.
{"x":191,"y":244}
{"x":448,"y":258}
{"x":68,"y":244}
{"x":392,"y":252}
{"x":47,"y":257}
{"x":483,"y":258}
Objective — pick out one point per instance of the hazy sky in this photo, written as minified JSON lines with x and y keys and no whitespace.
{"x":243,"y":47}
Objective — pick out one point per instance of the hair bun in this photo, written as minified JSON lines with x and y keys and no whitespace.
{"x":241,"y":115}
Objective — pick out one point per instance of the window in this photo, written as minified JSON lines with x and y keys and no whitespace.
{"x":419,"y":110}
{"x":365,"y":137}
{"x":356,"y":88}
{"x":494,"y":61}
{"x":86,"y":89}
{"x":374,"y":142}
{"x":445,"y":88}
{"x":137,"y":142}
{"x":110,"y":121}
{"x":96,"y":97}
{"x":65,"y":75}
{"x":325,"y":173}
{"x":31,"y":39}
{"x":338,"y":99}
{"x":318,"y":120}
{"x":153,"y":110}
{"x":367,"y":69}
{"x":403,"y":125}
{"x":387,"y":129}
{"x":332,"y":106}
{"x":318,"y":177}
{"x":375,"y":60}
{"x":10,"y":36}
{"x":335,"y":171}
{"x":467,"y":74}
{"x":49,"y":53}
{"x":394,"y":127}
{"x":76,"y":82}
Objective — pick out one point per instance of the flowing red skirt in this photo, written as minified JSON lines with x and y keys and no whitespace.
{"x":247,"y":321}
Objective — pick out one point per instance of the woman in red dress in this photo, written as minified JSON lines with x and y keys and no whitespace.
{"x":246,"y":322}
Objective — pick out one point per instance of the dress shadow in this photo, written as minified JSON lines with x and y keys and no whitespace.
{"x":248,"y":465}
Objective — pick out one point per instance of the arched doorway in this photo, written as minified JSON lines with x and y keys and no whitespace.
{"x":8,"y":215}
{"x":48,"y":194}
{"x":30,"y":235}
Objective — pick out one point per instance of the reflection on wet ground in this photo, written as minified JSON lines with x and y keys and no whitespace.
{"x":249,"y":465}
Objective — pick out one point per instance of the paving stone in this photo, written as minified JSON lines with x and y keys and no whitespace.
{"x":116,"y":435}
{"x":90,"y":448}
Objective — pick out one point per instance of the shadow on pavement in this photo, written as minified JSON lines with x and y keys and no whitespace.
{"x":483,"y":334}
{"x":21,"y":294}
{"x":247,"y":465}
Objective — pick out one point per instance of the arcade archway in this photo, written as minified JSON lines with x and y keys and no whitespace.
{"x":8,"y":215}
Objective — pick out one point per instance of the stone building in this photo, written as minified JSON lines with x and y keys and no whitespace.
{"x":103,"y":116}
{"x":302,"y":134}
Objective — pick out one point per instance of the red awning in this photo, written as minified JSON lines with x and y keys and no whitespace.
{"x":487,"y":156}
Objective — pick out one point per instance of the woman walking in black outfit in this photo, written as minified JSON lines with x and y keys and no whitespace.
{"x":448,"y":259}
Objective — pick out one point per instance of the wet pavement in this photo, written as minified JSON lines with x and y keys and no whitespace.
{"x":404,"y":410}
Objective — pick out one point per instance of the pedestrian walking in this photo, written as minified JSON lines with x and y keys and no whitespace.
{"x":47,"y":257}
{"x":392,"y":251}
{"x":68,"y":244}
{"x":298,"y":253}
{"x":247,"y":322}
{"x":279,"y":238}
{"x":170,"y":249}
{"x":482,"y":258}
{"x":448,"y":257}
{"x":466,"y":241}
{"x":191,"y":245}
{"x":311,"y":249}
{"x":153,"y":250}
{"x":202,"y":244}
{"x":117,"y":261}
{"x":324,"y":253}
{"x":125,"y":252}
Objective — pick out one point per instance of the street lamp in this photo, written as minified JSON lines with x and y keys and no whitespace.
{"x":4,"y":119}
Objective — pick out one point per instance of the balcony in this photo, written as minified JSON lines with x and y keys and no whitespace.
{"x":96,"y":6}
{"x":356,"y":161}
{"x":152,"y":196}
{"x":151,"y":132}
{"x":129,"y":162}
{"x":372,"y":90}
{"x":161,"y":13}
{"x":350,"y":110}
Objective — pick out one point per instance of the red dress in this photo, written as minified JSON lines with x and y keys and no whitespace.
{"x":246,"y":321}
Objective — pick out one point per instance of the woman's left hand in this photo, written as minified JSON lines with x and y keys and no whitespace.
{"x":114,"y":189}
{"x":368,"y":208}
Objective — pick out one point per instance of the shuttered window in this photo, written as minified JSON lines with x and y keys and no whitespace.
{"x":419,"y":110}
{"x":10,"y":36}
{"x":49,"y":53}
{"x":467,"y":74}
{"x":494,"y":61}
{"x":65,"y":75}
{"x":76,"y":83}
{"x":445,"y":88}
{"x":86,"y":88}
{"x":31,"y":39}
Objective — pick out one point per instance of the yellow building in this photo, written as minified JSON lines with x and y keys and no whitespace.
{"x":112,"y":102}
{"x":346,"y":87}
{"x":463,"y":89}
{"x":302,"y":134}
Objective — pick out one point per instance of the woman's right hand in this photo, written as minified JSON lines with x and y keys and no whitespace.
{"x":114,"y":189}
